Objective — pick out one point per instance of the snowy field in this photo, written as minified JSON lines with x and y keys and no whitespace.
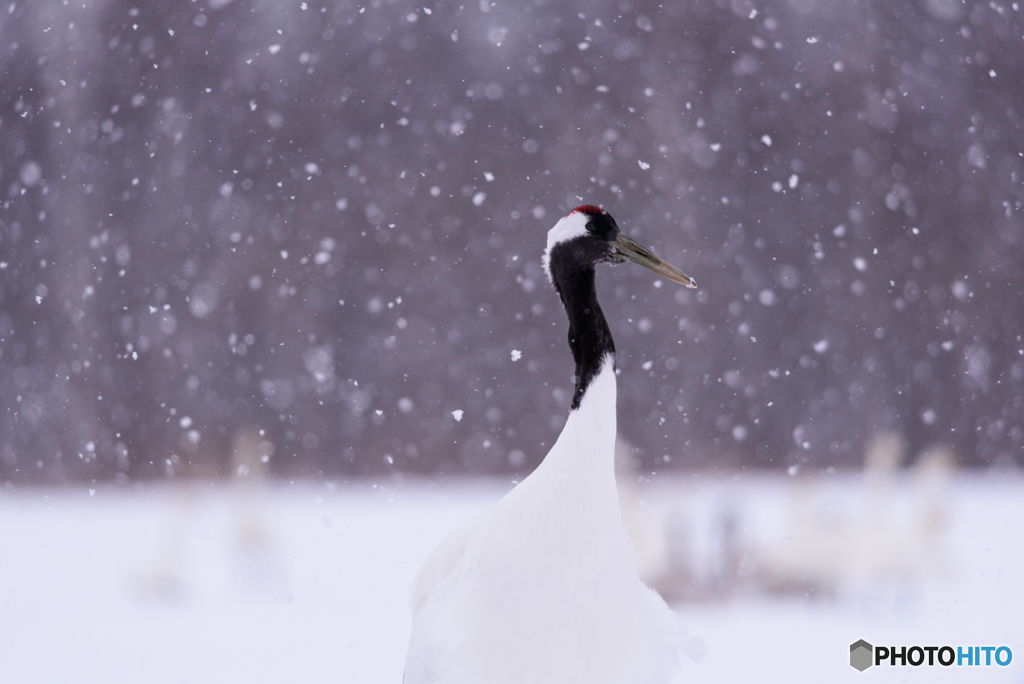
{"x":307,"y":582}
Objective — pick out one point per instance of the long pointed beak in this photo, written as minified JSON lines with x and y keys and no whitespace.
{"x":638,"y":254}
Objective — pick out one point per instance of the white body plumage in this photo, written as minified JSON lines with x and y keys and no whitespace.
{"x":542,"y":588}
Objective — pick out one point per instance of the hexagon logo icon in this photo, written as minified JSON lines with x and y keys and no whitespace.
{"x":861,"y":653}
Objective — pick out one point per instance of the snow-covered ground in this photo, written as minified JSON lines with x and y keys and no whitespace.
{"x":307,"y":582}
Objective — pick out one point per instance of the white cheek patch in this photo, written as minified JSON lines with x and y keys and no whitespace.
{"x":568,"y":228}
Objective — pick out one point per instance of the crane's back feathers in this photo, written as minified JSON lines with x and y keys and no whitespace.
{"x":543,"y":586}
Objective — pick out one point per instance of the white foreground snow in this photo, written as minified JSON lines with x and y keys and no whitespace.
{"x":308,"y":583}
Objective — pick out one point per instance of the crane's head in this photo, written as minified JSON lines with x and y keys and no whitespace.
{"x":588,"y":235}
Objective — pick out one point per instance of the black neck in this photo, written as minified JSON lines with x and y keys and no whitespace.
{"x":589,"y":337}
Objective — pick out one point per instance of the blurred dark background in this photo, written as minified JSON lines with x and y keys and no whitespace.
{"x":324,"y":220}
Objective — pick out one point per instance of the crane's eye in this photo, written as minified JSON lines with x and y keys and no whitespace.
{"x":591,"y":226}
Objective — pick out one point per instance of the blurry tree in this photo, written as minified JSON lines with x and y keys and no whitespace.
{"x":324,"y":220}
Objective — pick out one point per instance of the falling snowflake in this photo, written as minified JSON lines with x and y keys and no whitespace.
{"x":643,"y":165}
{"x":516,"y":354}
{"x":457,"y":415}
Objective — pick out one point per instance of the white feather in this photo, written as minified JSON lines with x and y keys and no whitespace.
{"x":543,"y":587}
{"x":568,"y":227}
